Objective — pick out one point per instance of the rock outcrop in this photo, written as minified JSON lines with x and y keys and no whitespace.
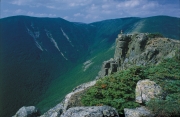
{"x":55,"y":111}
{"x":138,"y":49}
{"x":29,"y":111}
{"x":67,"y":103}
{"x":138,"y":112}
{"x":94,"y":111}
{"x":146,"y":90}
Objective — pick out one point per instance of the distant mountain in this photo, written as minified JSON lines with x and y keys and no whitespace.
{"x":42,"y":59}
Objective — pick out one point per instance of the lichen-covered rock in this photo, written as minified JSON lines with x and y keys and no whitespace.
{"x":146,"y":90}
{"x":29,"y":111}
{"x":138,"y":112}
{"x":94,"y":111}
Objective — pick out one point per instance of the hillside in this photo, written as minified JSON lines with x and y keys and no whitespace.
{"x":41,"y":57}
{"x":141,"y":80}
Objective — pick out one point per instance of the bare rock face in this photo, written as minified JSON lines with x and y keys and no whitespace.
{"x":139,"y":49}
{"x":29,"y":111}
{"x":108,"y":67}
{"x":138,"y":112}
{"x":94,"y":111}
{"x":146,"y":90}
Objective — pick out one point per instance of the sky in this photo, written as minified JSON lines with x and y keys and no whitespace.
{"x":88,"y":11}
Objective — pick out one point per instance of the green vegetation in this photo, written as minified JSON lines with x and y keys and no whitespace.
{"x":155,"y":35}
{"x":164,"y":108}
{"x":43,"y":78}
{"x":118,"y":90}
{"x":168,"y":76}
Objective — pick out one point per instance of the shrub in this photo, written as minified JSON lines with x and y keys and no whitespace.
{"x":164,"y":108}
{"x":167,"y":75}
{"x":118,"y":90}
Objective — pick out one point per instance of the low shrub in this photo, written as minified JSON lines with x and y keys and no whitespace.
{"x":118,"y":90}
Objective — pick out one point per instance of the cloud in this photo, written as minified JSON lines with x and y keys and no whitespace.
{"x":52,"y":7}
{"x":41,"y":14}
{"x":93,"y":10}
{"x":78,"y":15}
{"x":20,"y":2}
{"x":19,"y":11}
{"x":66,"y":17}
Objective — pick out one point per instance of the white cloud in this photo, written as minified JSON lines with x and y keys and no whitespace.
{"x":132,"y":3}
{"x":78,"y":15}
{"x":52,"y":7}
{"x":89,"y":16}
{"x":105,"y":6}
{"x":66,"y":17}
{"x":41,"y":14}
{"x":93,"y":10}
{"x":20,"y":2}
{"x":19,"y":11}
{"x":106,"y":11}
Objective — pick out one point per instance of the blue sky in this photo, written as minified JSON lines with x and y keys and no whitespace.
{"x":90,"y":10}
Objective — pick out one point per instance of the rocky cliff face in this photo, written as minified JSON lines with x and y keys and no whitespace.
{"x":138,"y":49}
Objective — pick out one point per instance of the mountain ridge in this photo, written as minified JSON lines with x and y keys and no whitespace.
{"x":133,"y":53}
{"x":20,"y":50}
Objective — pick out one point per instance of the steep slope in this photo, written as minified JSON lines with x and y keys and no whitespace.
{"x":168,"y":26}
{"x":137,"y":57}
{"x":134,"y":55}
{"x":34,"y":52}
{"x":42,"y":59}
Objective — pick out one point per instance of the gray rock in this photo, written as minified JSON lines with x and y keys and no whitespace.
{"x":121,"y":44}
{"x":94,"y":111}
{"x":54,"y":112}
{"x":64,"y":105}
{"x":138,"y":112}
{"x":29,"y":111}
{"x":108,"y":67}
{"x":138,"y":49}
{"x":146,"y":90}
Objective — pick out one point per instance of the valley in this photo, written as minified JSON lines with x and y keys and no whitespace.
{"x":43,"y":59}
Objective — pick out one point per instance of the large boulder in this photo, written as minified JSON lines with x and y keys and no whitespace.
{"x":94,"y":111}
{"x":146,"y":90}
{"x":138,"y":112}
{"x":29,"y":111}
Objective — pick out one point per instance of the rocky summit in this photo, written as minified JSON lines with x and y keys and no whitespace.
{"x":140,"y":49}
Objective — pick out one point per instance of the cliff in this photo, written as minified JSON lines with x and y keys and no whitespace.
{"x":139,"y":50}
{"x":130,"y":50}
